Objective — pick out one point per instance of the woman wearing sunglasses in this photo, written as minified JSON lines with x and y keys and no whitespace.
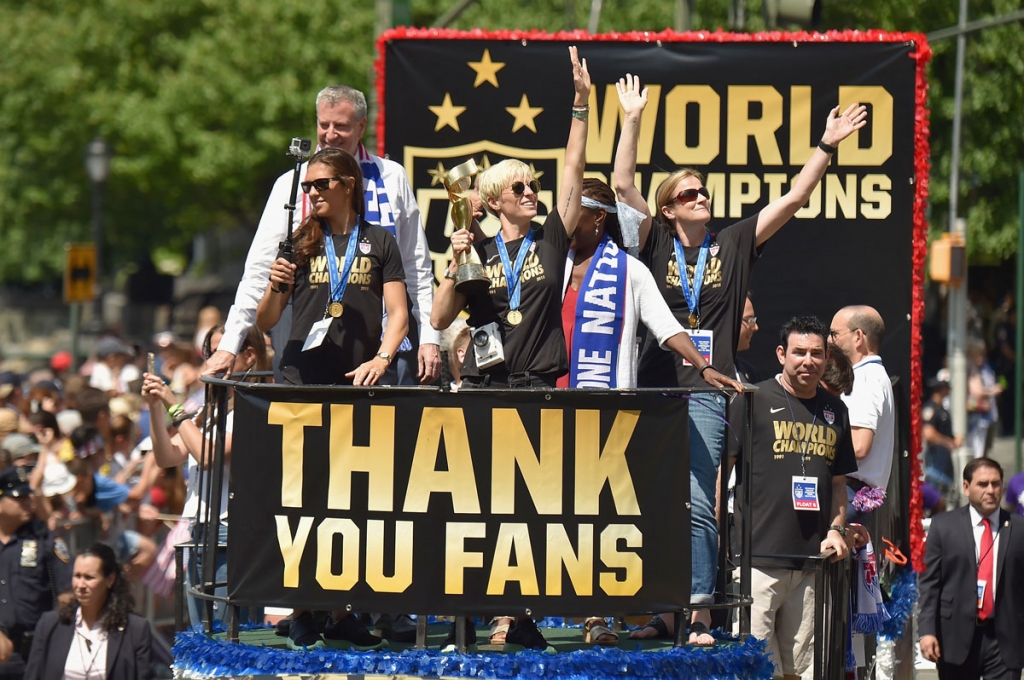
{"x":344,"y":268}
{"x":704,"y":277}
{"x":525,"y":263}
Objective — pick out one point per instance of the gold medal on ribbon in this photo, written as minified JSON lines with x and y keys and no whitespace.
{"x":514,"y":317}
{"x":694,"y":320}
{"x":335,"y":309}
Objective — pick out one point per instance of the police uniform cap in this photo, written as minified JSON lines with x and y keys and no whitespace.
{"x":20,"y":445}
{"x":14,"y":482}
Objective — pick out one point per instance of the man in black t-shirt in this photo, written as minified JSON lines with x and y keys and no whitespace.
{"x":802,"y":451}
{"x":939,"y":442}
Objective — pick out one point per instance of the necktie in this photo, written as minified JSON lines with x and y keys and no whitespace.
{"x":985,"y":571}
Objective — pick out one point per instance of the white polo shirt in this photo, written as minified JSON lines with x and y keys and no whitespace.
{"x":872,"y":406}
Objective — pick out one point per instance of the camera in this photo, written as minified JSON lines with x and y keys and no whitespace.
{"x":300,"y":148}
{"x":487,"y":345}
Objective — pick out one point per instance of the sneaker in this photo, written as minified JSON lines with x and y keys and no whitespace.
{"x":302,"y":632}
{"x":403,"y":629}
{"x":525,"y":635}
{"x":449,"y":646}
{"x":349,"y":632}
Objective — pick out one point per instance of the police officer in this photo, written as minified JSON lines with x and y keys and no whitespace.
{"x":34,"y":569}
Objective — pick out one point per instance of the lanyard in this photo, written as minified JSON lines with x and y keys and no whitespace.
{"x":810,"y":430}
{"x":512,"y":273}
{"x":339,"y":284}
{"x":691,"y":289}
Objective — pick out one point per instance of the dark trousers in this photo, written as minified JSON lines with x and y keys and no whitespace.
{"x":983,"y":661}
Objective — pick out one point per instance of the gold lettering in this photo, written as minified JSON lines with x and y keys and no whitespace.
{"x":709,"y":107}
{"x":362,"y":265}
{"x":715,"y":182}
{"x":377,"y":459}
{"x":775,"y":181}
{"x":325,"y":534}
{"x":874,"y":189}
{"x":744,"y":189}
{"x":880,"y":120}
{"x":594,"y":466}
{"x":846,"y":196}
{"x":633,"y":580}
{"x":375,"y":577}
{"x":292,"y":418}
{"x":458,"y":480}
{"x":456,"y":558}
{"x":579,"y":566}
{"x":742,"y":126}
{"x":601,"y":140}
{"x":813,"y":207}
{"x":513,"y":537}
{"x":801,"y":147}
{"x":511,"y":447}
{"x":291,"y":548}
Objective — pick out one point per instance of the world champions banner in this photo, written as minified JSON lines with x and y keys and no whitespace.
{"x":412,"y":500}
{"x":747,"y":111}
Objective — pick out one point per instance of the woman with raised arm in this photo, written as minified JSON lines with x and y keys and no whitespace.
{"x":521,"y":312}
{"x":704,"y":277}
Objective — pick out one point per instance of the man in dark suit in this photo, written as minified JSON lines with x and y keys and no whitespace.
{"x":972,"y":590}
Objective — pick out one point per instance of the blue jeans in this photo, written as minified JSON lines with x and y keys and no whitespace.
{"x":220,"y":575}
{"x":707,"y":442}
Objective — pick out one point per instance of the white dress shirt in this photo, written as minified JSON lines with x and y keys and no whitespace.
{"x":87,"y":657}
{"x":979,"y":529}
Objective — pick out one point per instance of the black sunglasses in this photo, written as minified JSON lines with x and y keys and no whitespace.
{"x":519,"y":188}
{"x":322,"y":184}
{"x":687,"y":195}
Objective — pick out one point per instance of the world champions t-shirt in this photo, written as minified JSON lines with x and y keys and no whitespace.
{"x":731,"y":257}
{"x":354,"y":337}
{"x":785,"y":430}
{"x":536,"y":344}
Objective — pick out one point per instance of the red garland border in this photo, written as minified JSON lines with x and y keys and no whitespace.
{"x":922,"y":166}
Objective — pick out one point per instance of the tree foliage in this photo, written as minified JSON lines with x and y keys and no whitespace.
{"x":199,"y":99}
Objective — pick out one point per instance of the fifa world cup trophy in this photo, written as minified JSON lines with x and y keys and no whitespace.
{"x":470,"y":277}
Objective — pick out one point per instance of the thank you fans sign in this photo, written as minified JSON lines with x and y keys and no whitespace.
{"x":416,"y":501}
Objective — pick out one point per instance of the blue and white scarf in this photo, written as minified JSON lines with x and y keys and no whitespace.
{"x":378,"y":211}
{"x":597,"y":330}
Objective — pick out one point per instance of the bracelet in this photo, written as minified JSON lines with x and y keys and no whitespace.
{"x":175,"y":410}
{"x":826,"y":147}
{"x":704,"y":368}
{"x":841,"y":530}
{"x":581,"y":114}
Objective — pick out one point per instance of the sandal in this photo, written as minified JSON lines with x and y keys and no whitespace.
{"x":699,"y":634}
{"x":597,"y":632}
{"x":656,"y":624}
{"x":499,"y":630}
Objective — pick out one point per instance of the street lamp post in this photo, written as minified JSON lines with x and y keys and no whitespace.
{"x":97,"y":164}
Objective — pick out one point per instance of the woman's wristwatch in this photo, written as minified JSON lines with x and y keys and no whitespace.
{"x":385,"y":356}
{"x":841,"y":530}
{"x":450,"y":275}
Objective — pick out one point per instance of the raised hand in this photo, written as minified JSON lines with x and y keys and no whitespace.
{"x":580,"y":77}
{"x":840,"y":126}
{"x":632,"y":99}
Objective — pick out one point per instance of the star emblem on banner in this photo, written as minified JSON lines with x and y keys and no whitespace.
{"x":437,"y":175}
{"x":524,"y":114}
{"x":447,"y":113}
{"x":535,"y":173}
{"x":486,"y":70}
{"x":485,"y":163}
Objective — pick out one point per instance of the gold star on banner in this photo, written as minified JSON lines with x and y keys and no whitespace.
{"x":535,"y":173}
{"x":524,"y":114}
{"x":485,"y":163}
{"x":447,"y":113}
{"x":437,"y":175}
{"x":486,"y":70}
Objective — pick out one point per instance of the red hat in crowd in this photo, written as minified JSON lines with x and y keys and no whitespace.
{"x":61,"y":361}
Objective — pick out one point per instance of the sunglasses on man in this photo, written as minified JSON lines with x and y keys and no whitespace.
{"x":322,"y":184}
{"x":519,"y":188}
{"x":687,"y":195}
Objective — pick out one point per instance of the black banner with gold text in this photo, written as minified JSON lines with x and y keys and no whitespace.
{"x":565,"y":503}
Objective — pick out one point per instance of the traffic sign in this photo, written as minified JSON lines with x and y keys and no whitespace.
{"x":79,"y":272}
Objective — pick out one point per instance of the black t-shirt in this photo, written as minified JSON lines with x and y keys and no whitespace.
{"x":536,"y":344}
{"x":354,"y":337}
{"x":731,"y":259}
{"x":785,"y":426}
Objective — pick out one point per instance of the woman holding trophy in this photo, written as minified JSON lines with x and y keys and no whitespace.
{"x":516,"y":319}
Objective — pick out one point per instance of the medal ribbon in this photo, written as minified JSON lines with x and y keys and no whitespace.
{"x":512,"y":273}
{"x":691,"y":290}
{"x":339,"y":284}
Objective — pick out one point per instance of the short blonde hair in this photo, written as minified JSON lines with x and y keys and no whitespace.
{"x":496,"y":178}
